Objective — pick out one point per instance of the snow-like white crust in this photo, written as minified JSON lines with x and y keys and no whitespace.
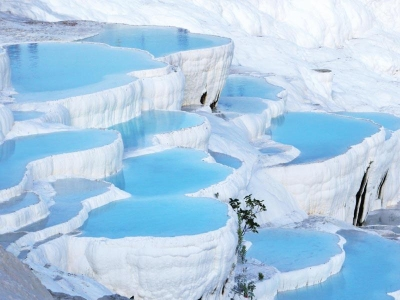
{"x":5,"y":73}
{"x":205,"y":71}
{"x":194,"y":266}
{"x":93,"y":163}
{"x":6,"y":121}
{"x":195,"y":137}
{"x":330,"y":186}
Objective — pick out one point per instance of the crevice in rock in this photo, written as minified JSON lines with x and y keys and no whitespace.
{"x":213,"y":105}
{"x":381,"y":186}
{"x":203,"y":98}
{"x":360,"y":199}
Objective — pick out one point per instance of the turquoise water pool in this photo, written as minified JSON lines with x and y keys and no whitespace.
{"x":158,"y":206}
{"x":370,"y":271}
{"x":15,"y":154}
{"x":320,"y":136}
{"x":388,"y":121}
{"x":250,"y":86}
{"x":159,"y":41}
{"x":18,"y":202}
{"x":50,"y":71}
{"x":26,"y":115}
{"x":292,"y":249}
{"x":138,"y":132}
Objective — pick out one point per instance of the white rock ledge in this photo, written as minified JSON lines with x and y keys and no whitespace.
{"x":205,"y":71}
{"x":182,"y":267}
{"x":23,"y":217}
{"x":195,"y":137}
{"x":330,"y":186}
{"x":93,"y":163}
{"x":120,"y":104}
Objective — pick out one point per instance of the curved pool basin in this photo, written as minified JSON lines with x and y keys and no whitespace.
{"x":388,"y":121}
{"x":226,"y":160}
{"x":158,"y":207}
{"x":159,"y":41}
{"x":242,"y":105}
{"x":138,"y":132}
{"x":320,"y":136}
{"x":250,"y":86}
{"x":292,"y":249}
{"x":27,"y":115}
{"x":370,"y":271}
{"x":18,"y":202}
{"x":15,"y":154}
{"x":51,"y":71}
{"x":159,"y":216}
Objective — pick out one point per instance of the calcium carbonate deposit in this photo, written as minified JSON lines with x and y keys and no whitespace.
{"x":127,"y":127}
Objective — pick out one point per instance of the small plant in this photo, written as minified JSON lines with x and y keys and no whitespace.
{"x":260,"y":276}
{"x":216,"y":195}
{"x":247,"y":215}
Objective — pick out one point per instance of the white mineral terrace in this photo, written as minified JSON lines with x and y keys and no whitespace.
{"x":108,"y":187}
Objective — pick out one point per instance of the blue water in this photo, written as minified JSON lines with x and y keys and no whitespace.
{"x":15,"y":154}
{"x":250,"y":86}
{"x":18,"y":202}
{"x":49,"y":71}
{"x":159,"y":41}
{"x":292,"y":249}
{"x":172,"y":172}
{"x":320,"y":136}
{"x":161,"y":217}
{"x":26,"y":115}
{"x":388,"y":121}
{"x":138,"y":132}
{"x":226,"y":160}
{"x":158,"y":206}
{"x":69,"y":195}
{"x":242,"y":105}
{"x":371,"y":269}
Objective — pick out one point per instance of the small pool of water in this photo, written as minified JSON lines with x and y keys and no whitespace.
{"x":242,"y":105}
{"x":138,"y":132}
{"x":370,"y":271}
{"x":18,"y":202}
{"x":250,"y":86}
{"x":172,"y":172}
{"x":271,"y":150}
{"x":159,"y":41}
{"x":15,"y":154}
{"x":26,"y":115}
{"x":226,"y":160}
{"x":68,"y":200}
{"x":158,"y":206}
{"x":160,"y":216}
{"x":388,"y":121}
{"x":320,"y":136}
{"x":292,"y":249}
{"x":50,"y":71}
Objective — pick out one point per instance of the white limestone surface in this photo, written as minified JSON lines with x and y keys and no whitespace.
{"x":331,"y":185}
{"x":5,"y":74}
{"x":205,"y":71}
{"x":6,"y":121}
{"x":93,"y":163}
{"x":181,"y":267}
